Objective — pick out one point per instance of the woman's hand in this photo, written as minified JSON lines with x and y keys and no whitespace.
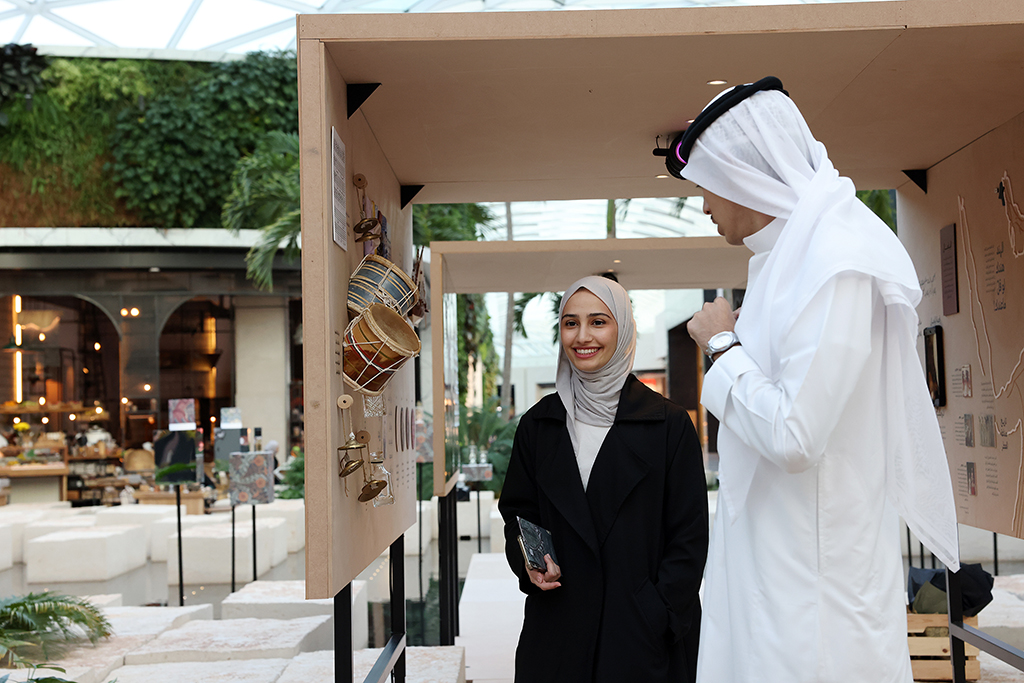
{"x":546,"y":580}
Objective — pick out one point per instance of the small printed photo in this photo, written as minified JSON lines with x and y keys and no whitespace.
{"x":987,"y":431}
{"x":972,"y":479}
{"x":969,"y":430}
{"x":965,"y":380}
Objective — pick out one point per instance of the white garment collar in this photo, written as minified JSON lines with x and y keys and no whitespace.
{"x":764,"y":239}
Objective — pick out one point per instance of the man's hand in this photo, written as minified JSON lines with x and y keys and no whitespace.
{"x":546,"y":580}
{"x":716,"y":316}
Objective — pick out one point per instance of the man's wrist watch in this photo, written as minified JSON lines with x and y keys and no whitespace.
{"x":723,"y":341}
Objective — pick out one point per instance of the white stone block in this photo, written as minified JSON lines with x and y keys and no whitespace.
{"x":106,"y":600}
{"x":6,"y":546}
{"x":236,"y":639}
{"x":142,"y":515}
{"x":292,"y":511}
{"x":274,"y":600}
{"x":152,"y":621}
{"x":423,"y":665}
{"x":360,"y":616}
{"x":277,"y":529}
{"x":91,"y":554}
{"x":162,"y":529}
{"x":466,"y":514}
{"x":206,"y":552}
{"x":257,"y":671}
{"x":95,"y":662}
{"x":497,"y":532}
{"x":49,"y":526}
{"x":412,"y":538}
{"x":18,"y":515}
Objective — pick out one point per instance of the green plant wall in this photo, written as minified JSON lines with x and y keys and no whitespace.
{"x":135,"y":142}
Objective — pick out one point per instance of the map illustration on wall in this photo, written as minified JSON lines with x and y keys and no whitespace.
{"x":982,"y":425}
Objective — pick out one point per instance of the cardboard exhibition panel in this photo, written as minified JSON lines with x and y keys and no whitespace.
{"x":966,"y":236}
{"x":344,"y":535}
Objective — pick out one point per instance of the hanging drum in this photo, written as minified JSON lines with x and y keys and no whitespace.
{"x":377,"y":280}
{"x":377,"y":343}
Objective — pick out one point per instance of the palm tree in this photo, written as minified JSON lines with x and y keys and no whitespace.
{"x":41,"y":626}
{"x":265,"y":194}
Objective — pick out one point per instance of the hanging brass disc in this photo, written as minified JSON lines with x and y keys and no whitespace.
{"x":363,"y":437}
{"x":371,"y":489}
{"x":350,"y":467}
{"x":365,"y":225}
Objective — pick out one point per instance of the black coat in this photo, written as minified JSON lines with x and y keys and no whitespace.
{"x":631,"y":547}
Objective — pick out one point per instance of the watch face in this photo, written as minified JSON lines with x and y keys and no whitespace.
{"x":719,"y":340}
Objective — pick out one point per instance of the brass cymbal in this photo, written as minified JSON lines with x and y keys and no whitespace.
{"x":352,"y":444}
{"x":371,"y":489}
{"x":350,"y":467}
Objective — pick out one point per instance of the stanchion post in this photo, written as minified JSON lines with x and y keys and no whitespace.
{"x":254,"y":542}
{"x":181,"y":567}
{"x":232,"y":548}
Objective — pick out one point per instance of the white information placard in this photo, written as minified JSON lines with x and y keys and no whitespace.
{"x":338,"y":189}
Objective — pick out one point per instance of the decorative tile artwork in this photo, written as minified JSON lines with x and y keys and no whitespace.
{"x":252,"y":478}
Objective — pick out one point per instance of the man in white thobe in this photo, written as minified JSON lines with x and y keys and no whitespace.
{"x":827,"y":431}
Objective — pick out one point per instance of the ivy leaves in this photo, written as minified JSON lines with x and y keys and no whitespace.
{"x":173,"y":159}
{"x":20,"y":74}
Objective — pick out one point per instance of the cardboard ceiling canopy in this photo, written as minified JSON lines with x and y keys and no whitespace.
{"x":569,"y":105}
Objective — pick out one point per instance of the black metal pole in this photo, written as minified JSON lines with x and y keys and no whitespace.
{"x":454,"y":574}
{"x":995,"y":553}
{"x":448,"y":584}
{"x":254,"y":543}
{"x":955,"y":607}
{"x":910,"y":552}
{"x":232,"y":548}
{"x":343,"y":665}
{"x":181,"y":568}
{"x":921,"y":550}
{"x":479,"y":526}
{"x":398,"y":603}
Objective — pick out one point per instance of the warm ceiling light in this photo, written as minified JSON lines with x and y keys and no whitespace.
{"x":17,"y":420}
{"x":45,"y":420}
{"x":17,"y":335}
{"x":124,"y":312}
{"x":97,"y":346}
{"x":618,"y":260}
{"x":717,"y":81}
{"x":99,"y":410}
{"x":147,"y":387}
{"x":213,"y":418}
{"x":135,"y":312}
{"x":85,"y":371}
{"x":71,"y":417}
{"x":17,"y":304}
{"x":42,"y":400}
{"x":42,"y":336}
{"x":124,"y":400}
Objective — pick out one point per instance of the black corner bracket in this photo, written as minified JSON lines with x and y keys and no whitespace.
{"x":919,"y":176}
{"x":408,"y":192}
{"x":357,"y":94}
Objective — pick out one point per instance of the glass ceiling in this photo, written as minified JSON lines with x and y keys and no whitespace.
{"x":217,"y":29}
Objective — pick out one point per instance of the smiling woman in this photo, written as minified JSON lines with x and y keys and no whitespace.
{"x":615,"y":473}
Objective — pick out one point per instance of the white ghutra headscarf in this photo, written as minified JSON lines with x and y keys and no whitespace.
{"x":760,"y":154}
{"x":593,"y":397}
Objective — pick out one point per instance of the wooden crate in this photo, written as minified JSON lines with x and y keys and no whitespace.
{"x":929,"y":655}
